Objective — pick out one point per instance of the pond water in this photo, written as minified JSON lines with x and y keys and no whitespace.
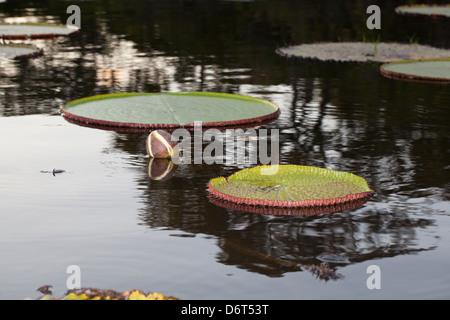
{"x":125,"y":230}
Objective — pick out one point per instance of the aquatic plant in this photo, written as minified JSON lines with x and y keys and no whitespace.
{"x":100,"y":294}
{"x":15,"y":31}
{"x":431,"y":70}
{"x":144,"y":111}
{"x":375,"y":51}
{"x":433,"y":11}
{"x":288,"y":186}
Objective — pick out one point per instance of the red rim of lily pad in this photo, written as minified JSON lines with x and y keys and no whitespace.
{"x":135,"y":126}
{"x":289,"y":211}
{"x":398,"y":75}
{"x":250,"y":175}
{"x":45,"y":35}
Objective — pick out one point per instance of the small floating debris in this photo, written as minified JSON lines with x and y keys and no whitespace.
{"x":99,"y":294}
{"x":45,"y":289}
{"x":54,"y":171}
{"x":323,"y":272}
{"x":331,"y":258}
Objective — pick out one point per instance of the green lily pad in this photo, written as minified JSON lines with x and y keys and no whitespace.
{"x":382,"y":52}
{"x":35,"y":30}
{"x":13,"y":51}
{"x":423,"y":70}
{"x":290,"y":186}
{"x":425,"y":10}
{"x":144,"y":111}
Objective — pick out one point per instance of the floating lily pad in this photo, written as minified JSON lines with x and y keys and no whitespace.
{"x":148,"y":111}
{"x":290,"y":186}
{"x":435,"y":11}
{"x":363,"y":52}
{"x":19,"y":52}
{"x":35,"y":31}
{"x":287,"y":211}
{"x":425,"y":70}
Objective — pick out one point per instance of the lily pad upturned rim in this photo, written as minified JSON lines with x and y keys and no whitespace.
{"x":288,"y":211}
{"x":353,"y":197}
{"x":49,"y":35}
{"x":37,"y":52}
{"x":412,"y":77}
{"x":400,"y":10}
{"x":144,"y":127}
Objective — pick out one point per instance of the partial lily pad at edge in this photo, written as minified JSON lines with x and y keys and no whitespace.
{"x":290,"y":186}
{"x":382,"y":52}
{"x":19,"y":52}
{"x":149,"y":111}
{"x":432,"y":71}
{"x":434,"y":11}
{"x":13,"y":31}
{"x":99,"y":294}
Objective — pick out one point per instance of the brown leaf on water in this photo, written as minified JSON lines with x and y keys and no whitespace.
{"x":100,"y":294}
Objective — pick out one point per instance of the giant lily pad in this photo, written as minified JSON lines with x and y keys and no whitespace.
{"x":35,"y":31}
{"x":290,"y":186}
{"x":144,"y":111}
{"x":287,"y":211}
{"x":363,"y":52}
{"x":434,"y":11}
{"x":424,"y":70}
{"x":13,"y":51}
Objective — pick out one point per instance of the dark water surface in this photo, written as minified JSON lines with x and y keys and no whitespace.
{"x":125,"y":230}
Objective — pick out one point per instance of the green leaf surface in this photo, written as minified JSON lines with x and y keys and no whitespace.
{"x":438,"y":70}
{"x":34,"y":30}
{"x":177,"y":109}
{"x":427,"y":10}
{"x":290,"y":183}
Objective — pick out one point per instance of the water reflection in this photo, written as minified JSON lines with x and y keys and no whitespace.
{"x":273,"y":245}
{"x":343,"y":117}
